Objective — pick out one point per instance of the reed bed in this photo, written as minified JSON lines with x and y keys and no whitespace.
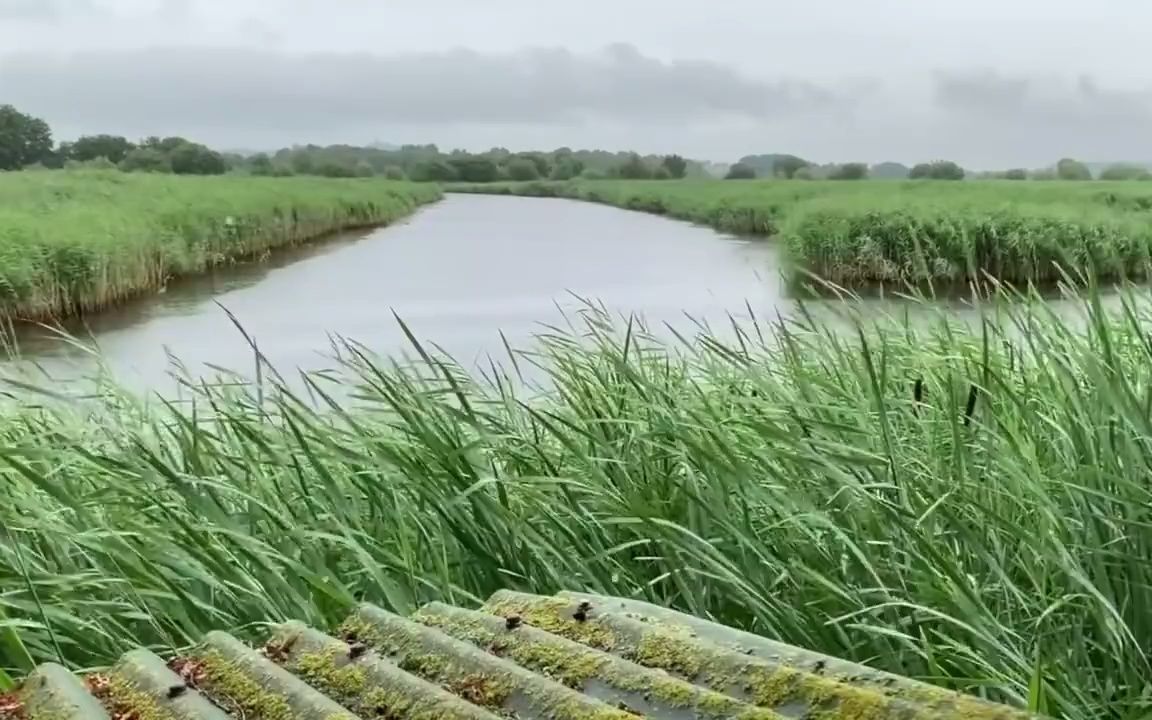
{"x":858,"y":234}
{"x":75,"y":242}
{"x":966,"y":504}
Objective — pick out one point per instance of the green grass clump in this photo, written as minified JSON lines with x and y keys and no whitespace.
{"x":970,"y":507}
{"x":72,"y":242}
{"x":857,"y":234}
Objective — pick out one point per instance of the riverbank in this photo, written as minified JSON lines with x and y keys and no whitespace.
{"x":858,"y":234}
{"x":78,"y":242}
{"x":969,"y":510}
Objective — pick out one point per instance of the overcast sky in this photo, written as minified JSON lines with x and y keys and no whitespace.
{"x":985,"y":82}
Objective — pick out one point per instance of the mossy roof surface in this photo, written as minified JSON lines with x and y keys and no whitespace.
{"x":520,"y":656}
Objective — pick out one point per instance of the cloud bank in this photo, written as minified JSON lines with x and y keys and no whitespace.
{"x":42,"y":10}
{"x":616,"y":97}
{"x":218,"y":87}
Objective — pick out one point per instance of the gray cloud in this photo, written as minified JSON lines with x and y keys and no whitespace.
{"x":221,"y":88}
{"x":44,"y":10}
{"x":1082,"y":100}
{"x":1044,"y":117}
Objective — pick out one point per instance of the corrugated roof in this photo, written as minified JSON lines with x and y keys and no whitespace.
{"x":520,"y":656}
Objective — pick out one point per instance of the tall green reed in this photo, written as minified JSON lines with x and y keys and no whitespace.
{"x":858,"y":234}
{"x":964,"y":504}
{"x":73,"y":242}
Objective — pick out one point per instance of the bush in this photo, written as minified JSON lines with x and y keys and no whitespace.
{"x":100,"y":163}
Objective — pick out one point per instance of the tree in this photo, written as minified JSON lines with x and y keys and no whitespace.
{"x":1069,"y":169}
{"x":889,"y":171}
{"x":302,"y":163}
{"x":165,"y":145}
{"x":522,"y":169}
{"x":662,"y":173}
{"x":146,"y":159}
{"x":567,"y":168}
{"x":433,"y":171}
{"x":676,"y":166}
{"x":196,"y":159}
{"x":1016,"y":174}
{"x":334,"y":169}
{"x":542,"y":163}
{"x":937,"y":170}
{"x":786,"y":166}
{"x":364,"y":169}
{"x":90,"y":147}
{"x":774,"y":164}
{"x":261,"y":164}
{"x":634,"y":168}
{"x":475,"y":169}
{"x":24,"y":140}
{"x":395,"y":172}
{"x":1125,"y":172}
{"x":804,"y":173}
{"x":741,"y":171}
{"x":849,"y":171}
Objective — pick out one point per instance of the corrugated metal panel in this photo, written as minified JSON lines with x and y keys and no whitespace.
{"x":567,"y":657}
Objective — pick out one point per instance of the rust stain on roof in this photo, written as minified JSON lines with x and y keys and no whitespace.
{"x":568,"y":657}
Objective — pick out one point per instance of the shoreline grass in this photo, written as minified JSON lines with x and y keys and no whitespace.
{"x":857,"y":234}
{"x":966,"y":507}
{"x":78,"y":242}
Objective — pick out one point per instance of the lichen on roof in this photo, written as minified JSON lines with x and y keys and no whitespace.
{"x":567,"y":657}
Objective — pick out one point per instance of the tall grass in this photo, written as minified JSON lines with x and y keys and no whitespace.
{"x":970,"y":507}
{"x":858,"y":234}
{"x":72,"y":242}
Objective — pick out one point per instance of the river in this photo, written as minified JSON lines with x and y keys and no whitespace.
{"x":459,"y":273}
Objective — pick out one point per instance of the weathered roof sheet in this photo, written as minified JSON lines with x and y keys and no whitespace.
{"x":520,"y":656}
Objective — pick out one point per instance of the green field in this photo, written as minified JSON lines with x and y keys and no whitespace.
{"x":856,"y":234}
{"x":72,"y":242}
{"x":969,"y":509}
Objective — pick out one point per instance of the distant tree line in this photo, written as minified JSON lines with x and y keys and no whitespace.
{"x":27,"y":141}
{"x":427,"y":163}
{"x":1070,"y":169}
{"x":791,"y":167}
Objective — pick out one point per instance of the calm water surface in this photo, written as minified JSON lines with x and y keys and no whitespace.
{"x":458,"y":273}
